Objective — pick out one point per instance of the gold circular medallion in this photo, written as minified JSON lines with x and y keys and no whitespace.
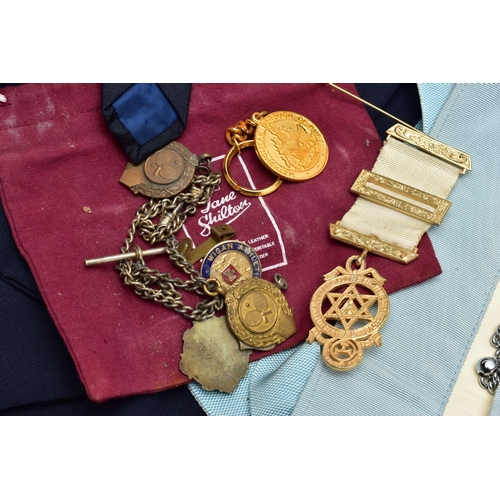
{"x":291,"y":146}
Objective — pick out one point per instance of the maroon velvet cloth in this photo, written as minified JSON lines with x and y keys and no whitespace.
{"x":59,"y":172}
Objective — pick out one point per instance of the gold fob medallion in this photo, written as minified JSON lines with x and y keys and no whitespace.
{"x":348,"y":310}
{"x":291,"y":146}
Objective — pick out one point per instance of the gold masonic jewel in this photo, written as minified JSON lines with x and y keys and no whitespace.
{"x":258,"y":314}
{"x":348,"y":311}
{"x":351,"y":306}
{"x":288,"y":144}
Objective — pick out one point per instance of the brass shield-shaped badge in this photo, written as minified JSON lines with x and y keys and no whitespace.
{"x":258,"y":314}
{"x":212,"y":357}
{"x":165,"y":173}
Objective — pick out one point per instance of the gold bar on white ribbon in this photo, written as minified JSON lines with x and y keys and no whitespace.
{"x":372,"y":244}
{"x":432,"y":146}
{"x":401,"y":197}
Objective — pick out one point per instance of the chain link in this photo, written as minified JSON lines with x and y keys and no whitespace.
{"x":170,"y":215}
{"x":489,"y":368}
{"x":243,"y":130}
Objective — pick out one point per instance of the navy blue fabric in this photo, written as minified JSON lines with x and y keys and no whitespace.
{"x":145,"y":111}
{"x":29,"y":340}
{"x":37,"y":374}
{"x":401,"y":100}
{"x":177,"y":95}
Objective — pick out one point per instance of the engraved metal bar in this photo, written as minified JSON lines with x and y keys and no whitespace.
{"x":372,"y":244}
{"x":426,"y":143}
{"x":411,"y":135}
{"x":401,"y":197}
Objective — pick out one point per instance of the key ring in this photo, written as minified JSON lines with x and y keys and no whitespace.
{"x":288,"y":144}
{"x":245,"y":191}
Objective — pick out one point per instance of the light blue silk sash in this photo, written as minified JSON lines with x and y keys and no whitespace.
{"x":431,"y":325}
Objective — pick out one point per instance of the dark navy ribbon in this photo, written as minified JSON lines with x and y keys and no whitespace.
{"x":145,"y":117}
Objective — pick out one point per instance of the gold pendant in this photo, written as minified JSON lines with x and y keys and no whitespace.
{"x":287,"y":144}
{"x":212,"y":356}
{"x":258,"y":314}
{"x":291,"y":146}
{"x":347,"y":319}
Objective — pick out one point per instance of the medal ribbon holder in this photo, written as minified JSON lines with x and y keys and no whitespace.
{"x":398,"y":201}
{"x":404,"y":193}
{"x":394,"y":211}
